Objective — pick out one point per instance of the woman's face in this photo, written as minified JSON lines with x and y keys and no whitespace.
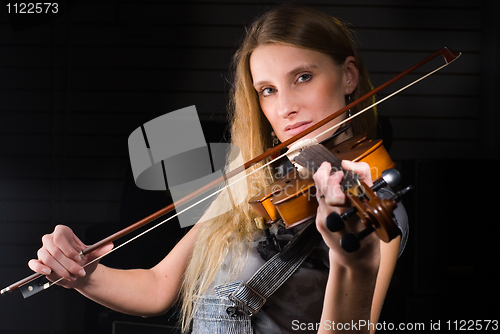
{"x":299,"y":87}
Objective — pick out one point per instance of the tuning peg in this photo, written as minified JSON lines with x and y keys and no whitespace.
{"x":350,"y":242}
{"x":335,"y":222}
{"x":390,"y":177}
{"x":399,"y":194}
{"x":403,"y":192}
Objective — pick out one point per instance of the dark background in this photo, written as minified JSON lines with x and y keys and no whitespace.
{"x":74,"y":86}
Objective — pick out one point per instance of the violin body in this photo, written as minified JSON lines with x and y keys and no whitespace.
{"x":292,"y":198}
{"x":361,"y":149}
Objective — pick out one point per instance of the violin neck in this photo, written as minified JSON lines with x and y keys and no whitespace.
{"x":313,"y":156}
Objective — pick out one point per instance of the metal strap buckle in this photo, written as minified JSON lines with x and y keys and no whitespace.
{"x":246,"y":296}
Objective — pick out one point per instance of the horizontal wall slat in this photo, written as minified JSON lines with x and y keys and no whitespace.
{"x":40,"y":145}
{"x":148,"y":105}
{"x":395,"y":62}
{"x":68,"y":212}
{"x":33,"y":189}
{"x":439,"y":129}
{"x":436,"y":85}
{"x":433,"y":149}
{"x":106,"y":57}
{"x":29,"y":234}
{"x":465,"y":41}
{"x":430,"y":106}
{"x":72,"y":167}
{"x":376,"y":17}
{"x":158,"y":80}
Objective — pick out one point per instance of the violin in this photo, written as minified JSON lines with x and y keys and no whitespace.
{"x":292,"y":198}
{"x":288,"y":197}
{"x":447,"y":54}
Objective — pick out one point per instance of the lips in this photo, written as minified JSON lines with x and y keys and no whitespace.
{"x":298,"y":127}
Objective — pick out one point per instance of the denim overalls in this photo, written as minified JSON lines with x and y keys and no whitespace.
{"x":298,"y":301}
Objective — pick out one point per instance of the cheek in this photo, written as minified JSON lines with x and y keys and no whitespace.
{"x":266,"y":113}
{"x":265,"y":106}
{"x":329,"y":98}
{"x":320,"y":102}
{"x":271,"y":117}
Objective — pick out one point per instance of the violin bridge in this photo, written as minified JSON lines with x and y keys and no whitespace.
{"x":35,"y":286}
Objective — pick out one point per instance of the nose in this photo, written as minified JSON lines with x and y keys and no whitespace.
{"x":287,"y":105}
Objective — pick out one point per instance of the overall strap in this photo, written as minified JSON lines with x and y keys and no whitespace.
{"x":253,"y":294}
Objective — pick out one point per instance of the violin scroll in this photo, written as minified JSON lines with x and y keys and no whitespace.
{"x":375,"y":213}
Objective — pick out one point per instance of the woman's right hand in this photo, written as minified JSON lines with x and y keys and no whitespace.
{"x":60,"y":257}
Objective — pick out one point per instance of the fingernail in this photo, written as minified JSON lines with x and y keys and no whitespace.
{"x":72,"y":277}
{"x":78,"y":258}
{"x":82,"y":273}
{"x":46,"y":271}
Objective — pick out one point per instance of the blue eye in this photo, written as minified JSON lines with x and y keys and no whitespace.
{"x":267,"y":91}
{"x":304,"y":77}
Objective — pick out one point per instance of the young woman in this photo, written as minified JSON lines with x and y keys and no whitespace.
{"x":295,"y":67}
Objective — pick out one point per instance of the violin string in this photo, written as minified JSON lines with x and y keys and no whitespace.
{"x":255,"y":170}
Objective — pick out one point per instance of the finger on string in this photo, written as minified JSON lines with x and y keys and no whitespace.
{"x":334,"y":195}
{"x":362,"y":169}
{"x":320,"y":178}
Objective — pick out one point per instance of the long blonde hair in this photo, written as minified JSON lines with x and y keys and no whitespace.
{"x":292,"y":25}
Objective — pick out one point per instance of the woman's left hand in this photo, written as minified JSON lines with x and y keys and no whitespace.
{"x":331,"y":198}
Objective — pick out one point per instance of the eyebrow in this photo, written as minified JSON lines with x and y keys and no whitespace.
{"x":299,"y":68}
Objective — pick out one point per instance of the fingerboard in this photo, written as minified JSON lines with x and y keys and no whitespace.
{"x":313,"y":156}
